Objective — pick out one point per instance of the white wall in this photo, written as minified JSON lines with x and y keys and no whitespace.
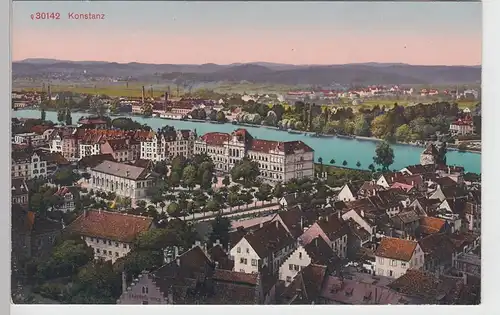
{"x":117,"y":249}
{"x":345,"y":194}
{"x":288,"y":270}
{"x":245,"y":258}
{"x":396,"y":268}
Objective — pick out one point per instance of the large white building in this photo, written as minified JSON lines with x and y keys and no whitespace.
{"x":168,"y":145}
{"x":278,"y":161}
{"x":395,"y":256}
{"x":123,"y":179}
{"x":109,"y":234}
{"x":28,"y":165}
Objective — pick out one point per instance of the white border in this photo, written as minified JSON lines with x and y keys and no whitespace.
{"x":491,"y":216}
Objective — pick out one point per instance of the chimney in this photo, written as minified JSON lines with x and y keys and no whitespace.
{"x":362,"y":212}
{"x":339,"y":215}
{"x":143,"y":94}
{"x":301,"y":223}
{"x":178,"y":261}
{"x":316,"y":242}
{"x":216,"y":265}
{"x":124,"y":282}
{"x":326,"y":218}
{"x":128,"y":173}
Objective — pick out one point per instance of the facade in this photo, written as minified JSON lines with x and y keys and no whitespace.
{"x":278,"y":161}
{"x":395,"y":256}
{"x":28,"y":165}
{"x":109,"y":234}
{"x":67,"y":199}
{"x":334,"y":232}
{"x":316,"y":252}
{"x":19,"y":192}
{"x":462,"y":126}
{"x":29,"y":138}
{"x":167,"y":145}
{"x":265,"y":248}
{"x":123,"y":179}
{"x":122,"y":150}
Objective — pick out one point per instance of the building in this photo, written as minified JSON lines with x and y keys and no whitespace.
{"x":31,"y":138}
{"x":278,"y":161}
{"x":19,"y":192}
{"x":92,"y":123}
{"x":462,"y":126}
{"x":109,"y":234}
{"x":193,"y":278}
{"x":168,"y":145}
{"x":67,"y":197}
{"x":334,"y":232}
{"x":28,"y":165}
{"x":429,"y":156}
{"x":317,"y":252}
{"x":122,"y":150}
{"x":123,"y":179}
{"x":395,"y":256}
{"x":265,"y":248}
{"x":32,"y":235}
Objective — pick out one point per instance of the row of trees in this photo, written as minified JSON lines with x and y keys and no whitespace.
{"x":214,"y":115}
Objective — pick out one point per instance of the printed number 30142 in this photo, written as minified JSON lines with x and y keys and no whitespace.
{"x":46,"y":16}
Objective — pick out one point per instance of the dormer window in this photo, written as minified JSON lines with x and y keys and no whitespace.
{"x":300,"y":255}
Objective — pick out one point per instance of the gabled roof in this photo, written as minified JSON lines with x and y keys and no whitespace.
{"x":122,"y":170}
{"x":306,"y":286}
{"x":333,"y":227}
{"x":19,"y":187}
{"x":320,"y":253}
{"x":431,"y":225}
{"x":269,"y":239}
{"x":437,"y":246}
{"x":94,"y":160}
{"x":445,"y":181}
{"x":396,"y":248}
{"x":408,"y":216}
{"x":110,"y":225}
{"x":431,"y":150}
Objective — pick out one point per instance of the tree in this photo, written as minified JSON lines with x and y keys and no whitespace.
{"x":384,"y":155}
{"x":206,"y":180}
{"x":246,"y":171}
{"x":462,"y":147}
{"x":361,"y":126}
{"x":189,"y":176}
{"x":221,"y":117}
{"x":220,"y":230}
{"x":174,"y":179}
{"x":43,"y":115}
{"x":61,"y":115}
{"x":278,"y":191}
{"x":371,"y":167}
{"x":162,"y":206}
{"x":358,"y":164}
{"x":96,"y":283}
{"x":212,"y":206}
{"x":441,"y":158}
{"x":65,"y":177}
{"x":226,"y":181}
{"x":173,"y":208}
{"x":264,"y":192}
{"x":141,"y":204}
{"x":68,"y":120}
{"x":403,"y":133}
{"x":381,"y":126}
{"x":65,"y":259}
{"x":344,"y":163}
{"x":332,"y":161}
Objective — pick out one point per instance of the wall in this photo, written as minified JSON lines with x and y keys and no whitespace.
{"x":244,"y":258}
{"x":117,"y":249}
{"x":298,"y":258}
{"x":144,"y":291}
{"x":383,"y":265}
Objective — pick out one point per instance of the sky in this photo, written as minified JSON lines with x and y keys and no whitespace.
{"x":423,"y":33}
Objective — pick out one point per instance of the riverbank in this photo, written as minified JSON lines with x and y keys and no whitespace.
{"x":328,"y":148}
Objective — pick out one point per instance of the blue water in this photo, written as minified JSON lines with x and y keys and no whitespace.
{"x":328,"y":148}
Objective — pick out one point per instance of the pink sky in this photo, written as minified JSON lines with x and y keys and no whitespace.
{"x":228,"y":48}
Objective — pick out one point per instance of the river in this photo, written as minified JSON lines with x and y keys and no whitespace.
{"x":338,"y":149}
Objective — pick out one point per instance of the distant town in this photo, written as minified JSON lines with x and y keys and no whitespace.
{"x":112,"y":204}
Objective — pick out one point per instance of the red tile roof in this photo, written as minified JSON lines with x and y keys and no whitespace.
{"x":110,"y":225}
{"x":431,"y":225}
{"x":396,"y":248}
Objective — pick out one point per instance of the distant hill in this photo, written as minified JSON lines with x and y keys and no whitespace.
{"x":262,"y":72}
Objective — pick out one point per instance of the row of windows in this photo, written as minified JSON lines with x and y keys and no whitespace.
{"x":107,"y":252}
{"x":295,"y":267}
{"x":108,"y":242}
{"x":244,"y":261}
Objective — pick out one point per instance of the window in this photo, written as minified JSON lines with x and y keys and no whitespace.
{"x":98,"y":250}
{"x":390,"y":273}
{"x":288,"y":279}
{"x":290,"y":267}
{"x":403,"y":264}
{"x":116,"y":244}
{"x":145,"y":290}
{"x":380,"y":272}
{"x":380,"y":260}
{"x":91,"y":239}
{"x":238,"y":250}
{"x":104,"y":252}
{"x":145,"y":303}
{"x":296,"y":267}
{"x":254,"y":262}
{"x":109,"y":242}
{"x":393,"y":263}
{"x":300,"y":255}
{"x":242,"y":270}
{"x":243,"y":261}
{"x":116,"y":254}
{"x":124,"y":245}
{"x":248,"y":250}
{"x":97,"y":241}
